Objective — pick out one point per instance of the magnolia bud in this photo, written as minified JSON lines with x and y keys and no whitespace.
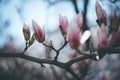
{"x":31,"y":41}
{"x":73,"y":36}
{"x":80,"y":20}
{"x":63,"y":24}
{"x":101,"y":14}
{"x":26,"y":32}
{"x":39,"y":33}
{"x":102,"y":38}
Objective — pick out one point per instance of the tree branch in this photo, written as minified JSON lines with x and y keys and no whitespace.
{"x":66,"y":66}
{"x":30,"y":58}
{"x":75,"y":5}
{"x":86,"y":56}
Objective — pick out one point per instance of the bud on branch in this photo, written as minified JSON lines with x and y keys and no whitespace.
{"x":39,"y":33}
{"x":26,"y":32}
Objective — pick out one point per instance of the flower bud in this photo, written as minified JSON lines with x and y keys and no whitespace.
{"x":39,"y":33}
{"x":26,"y":32}
{"x":80,"y":20}
{"x":101,"y":14}
{"x":31,"y":41}
{"x":102,"y":42}
{"x":63,"y":24}
{"x":73,"y":35}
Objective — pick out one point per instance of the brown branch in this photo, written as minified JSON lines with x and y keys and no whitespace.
{"x":37,"y":60}
{"x":66,"y":66}
{"x":75,"y":5}
{"x":113,"y":50}
{"x":86,"y":56}
{"x":57,"y":51}
{"x":30,"y":58}
{"x":92,"y":56}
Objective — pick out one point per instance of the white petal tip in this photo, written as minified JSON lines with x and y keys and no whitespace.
{"x":97,"y":57}
{"x":85,"y":36}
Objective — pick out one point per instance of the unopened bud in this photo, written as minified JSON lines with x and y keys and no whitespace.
{"x":26,"y":32}
{"x":101,"y":14}
{"x":31,"y":41}
{"x":39,"y":33}
{"x":63,"y":25}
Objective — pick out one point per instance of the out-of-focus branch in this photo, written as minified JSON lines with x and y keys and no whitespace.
{"x":30,"y":58}
{"x":113,"y":50}
{"x":75,"y":5}
{"x":81,"y":58}
{"x":85,"y":27}
{"x":66,"y":66}
{"x":57,"y":50}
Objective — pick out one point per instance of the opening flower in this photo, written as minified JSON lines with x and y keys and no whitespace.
{"x":74,"y":28}
{"x":74,"y":38}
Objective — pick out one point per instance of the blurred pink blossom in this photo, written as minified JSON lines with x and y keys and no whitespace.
{"x":102,"y":42}
{"x":73,"y":35}
{"x":80,"y":20}
{"x":40,"y":34}
{"x":63,"y":24}
{"x":74,"y":28}
{"x":101,"y":14}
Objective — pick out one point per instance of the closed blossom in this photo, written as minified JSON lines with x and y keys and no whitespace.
{"x":26,"y":32}
{"x":101,"y":14}
{"x":73,"y":35}
{"x":63,"y":24}
{"x":102,"y":42}
{"x":39,"y":32}
{"x":80,"y":20}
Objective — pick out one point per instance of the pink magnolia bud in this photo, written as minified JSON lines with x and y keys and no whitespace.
{"x":31,"y":41}
{"x":73,"y":36}
{"x":40,"y":34}
{"x":101,"y":14}
{"x":102,"y":38}
{"x":63,"y":24}
{"x":115,"y":39}
{"x":80,"y":20}
{"x":26,"y":32}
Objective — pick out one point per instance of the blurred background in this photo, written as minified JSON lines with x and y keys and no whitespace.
{"x":13,"y":13}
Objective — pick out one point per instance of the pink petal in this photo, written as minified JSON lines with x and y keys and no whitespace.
{"x":73,"y":36}
{"x":38,"y":31}
{"x":99,"y":10}
{"x":63,"y":23}
{"x":80,"y":20}
{"x":102,"y":38}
